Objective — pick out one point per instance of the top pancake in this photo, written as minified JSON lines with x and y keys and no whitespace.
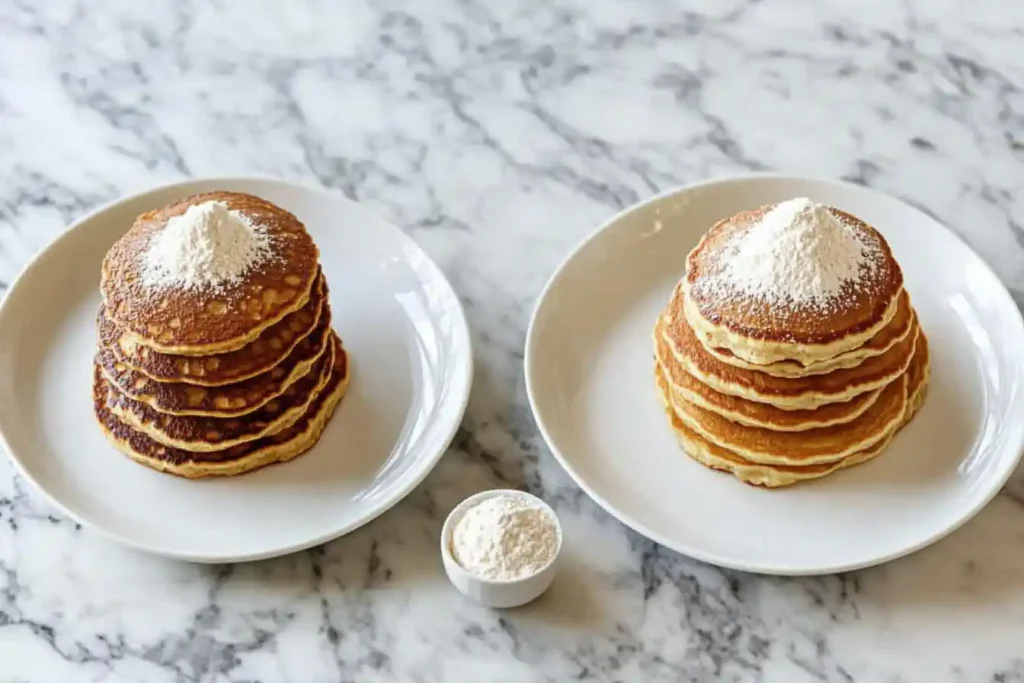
{"x":762,"y":331}
{"x":196,"y":322}
{"x":262,"y":355}
{"x":789,"y":393}
{"x":894,"y":332}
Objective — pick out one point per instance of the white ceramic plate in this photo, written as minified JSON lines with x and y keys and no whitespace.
{"x":589,"y":364}
{"x":401,"y":323}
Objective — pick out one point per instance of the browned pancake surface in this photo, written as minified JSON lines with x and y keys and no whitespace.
{"x":874,"y":369}
{"x":895,"y":330}
{"x":859,"y":306}
{"x":719,"y":458}
{"x":266,"y":352}
{"x":814,"y":446}
{"x":205,"y":433}
{"x":192,"y":322}
{"x":722,"y":459}
{"x":149,"y":449}
{"x":180,"y":398}
{"x":920,"y":366}
{"x":748,"y":411}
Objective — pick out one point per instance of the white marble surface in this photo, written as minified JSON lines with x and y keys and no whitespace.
{"x":498,"y":134}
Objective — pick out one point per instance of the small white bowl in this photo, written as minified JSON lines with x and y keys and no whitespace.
{"x":489,"y":591}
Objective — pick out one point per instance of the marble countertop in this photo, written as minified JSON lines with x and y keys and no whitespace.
{"x":498,"y":134}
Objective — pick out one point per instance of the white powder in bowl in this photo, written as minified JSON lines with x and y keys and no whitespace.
{"x":504,"y":537}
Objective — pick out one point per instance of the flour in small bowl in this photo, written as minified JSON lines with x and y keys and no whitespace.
{"x":206,"y":248}
{"x":504,"y":537}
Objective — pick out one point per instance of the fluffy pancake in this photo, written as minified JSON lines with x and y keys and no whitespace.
{"x":684,"y":387}
{"x":770,"y":476}
{"x":266,"y":352}
{"x":895,"y":331}
{"x":203,"y":322}
{"x":801,"y":393}
{"x":201,"y":434}
{"x":763,"y":331}
{"x":180,"y":398}
{"x":722,"y":459}
{"x":918,"y":376}
{"x":280,"y":447}
{"x":810,"y":447}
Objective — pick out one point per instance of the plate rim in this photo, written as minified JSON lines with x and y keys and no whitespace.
{"x":689,"y":550}
{"x":460,"y":393}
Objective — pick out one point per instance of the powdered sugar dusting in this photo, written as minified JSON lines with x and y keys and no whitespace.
{"x":206,"y":248}
{"x":799,"y":254}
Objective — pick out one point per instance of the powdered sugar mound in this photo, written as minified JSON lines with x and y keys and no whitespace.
{"x":207,"y":247}
{"x":798,"y":253}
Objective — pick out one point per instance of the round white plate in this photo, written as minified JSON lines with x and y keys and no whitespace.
{"x":400,"y":321}
{"x":589,"y":375}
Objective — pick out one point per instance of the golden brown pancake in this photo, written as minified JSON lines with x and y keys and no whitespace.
{"x":762,"y":331}
{"x":232,"y":400}
{"x":769,"y":476}
{"x":918,"y":376}
{"x":810,"y":447}
{"x":266,"y":352}
{"x":784,"y":392}
{"x":280,"y":447}
{"x":685,"y":387}
{"x":715,"y":457}
{"x":198,"y":322}
{"x":896,"y":330}
{"x":194,"y":433}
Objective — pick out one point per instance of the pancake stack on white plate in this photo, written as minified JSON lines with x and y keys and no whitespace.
{"x":790,"y":349}
{"x":207,"y":377}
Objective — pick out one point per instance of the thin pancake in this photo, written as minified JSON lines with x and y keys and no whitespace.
{"x":771,"y":476}
{"x":788,"y":393}
{"x":895,"y":331}
{"x":203,"y":434}
{"x":200,"y":322}
{"x":233,"y":400}
{"x":266,"y":352}
{"x":811,"y":447}
{"x":768,"y":329}
{"x":685,"y":387}
{"x":285,"y":445}
{"x":918,"y":377}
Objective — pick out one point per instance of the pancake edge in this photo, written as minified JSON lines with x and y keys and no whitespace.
{"x":278,"y":453}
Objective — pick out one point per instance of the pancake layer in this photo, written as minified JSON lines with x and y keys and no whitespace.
{"x":201,"y":322}
{"x":268,"y":351}
{"x":685,"y":387}
{"x":765,"y":331}
{"x":202,"y":433}
{"x":240,"y":398}
{"x":796,"y":393}
{"x":281,"y":447}
{"x":774,"y":476}
{"x":895,"y":331}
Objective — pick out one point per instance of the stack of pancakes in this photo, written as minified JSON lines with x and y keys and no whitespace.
{"x":219,"y":381}
{"x":776,"y":394}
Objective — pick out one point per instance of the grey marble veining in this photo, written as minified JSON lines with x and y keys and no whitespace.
{"x":498,"y":134}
